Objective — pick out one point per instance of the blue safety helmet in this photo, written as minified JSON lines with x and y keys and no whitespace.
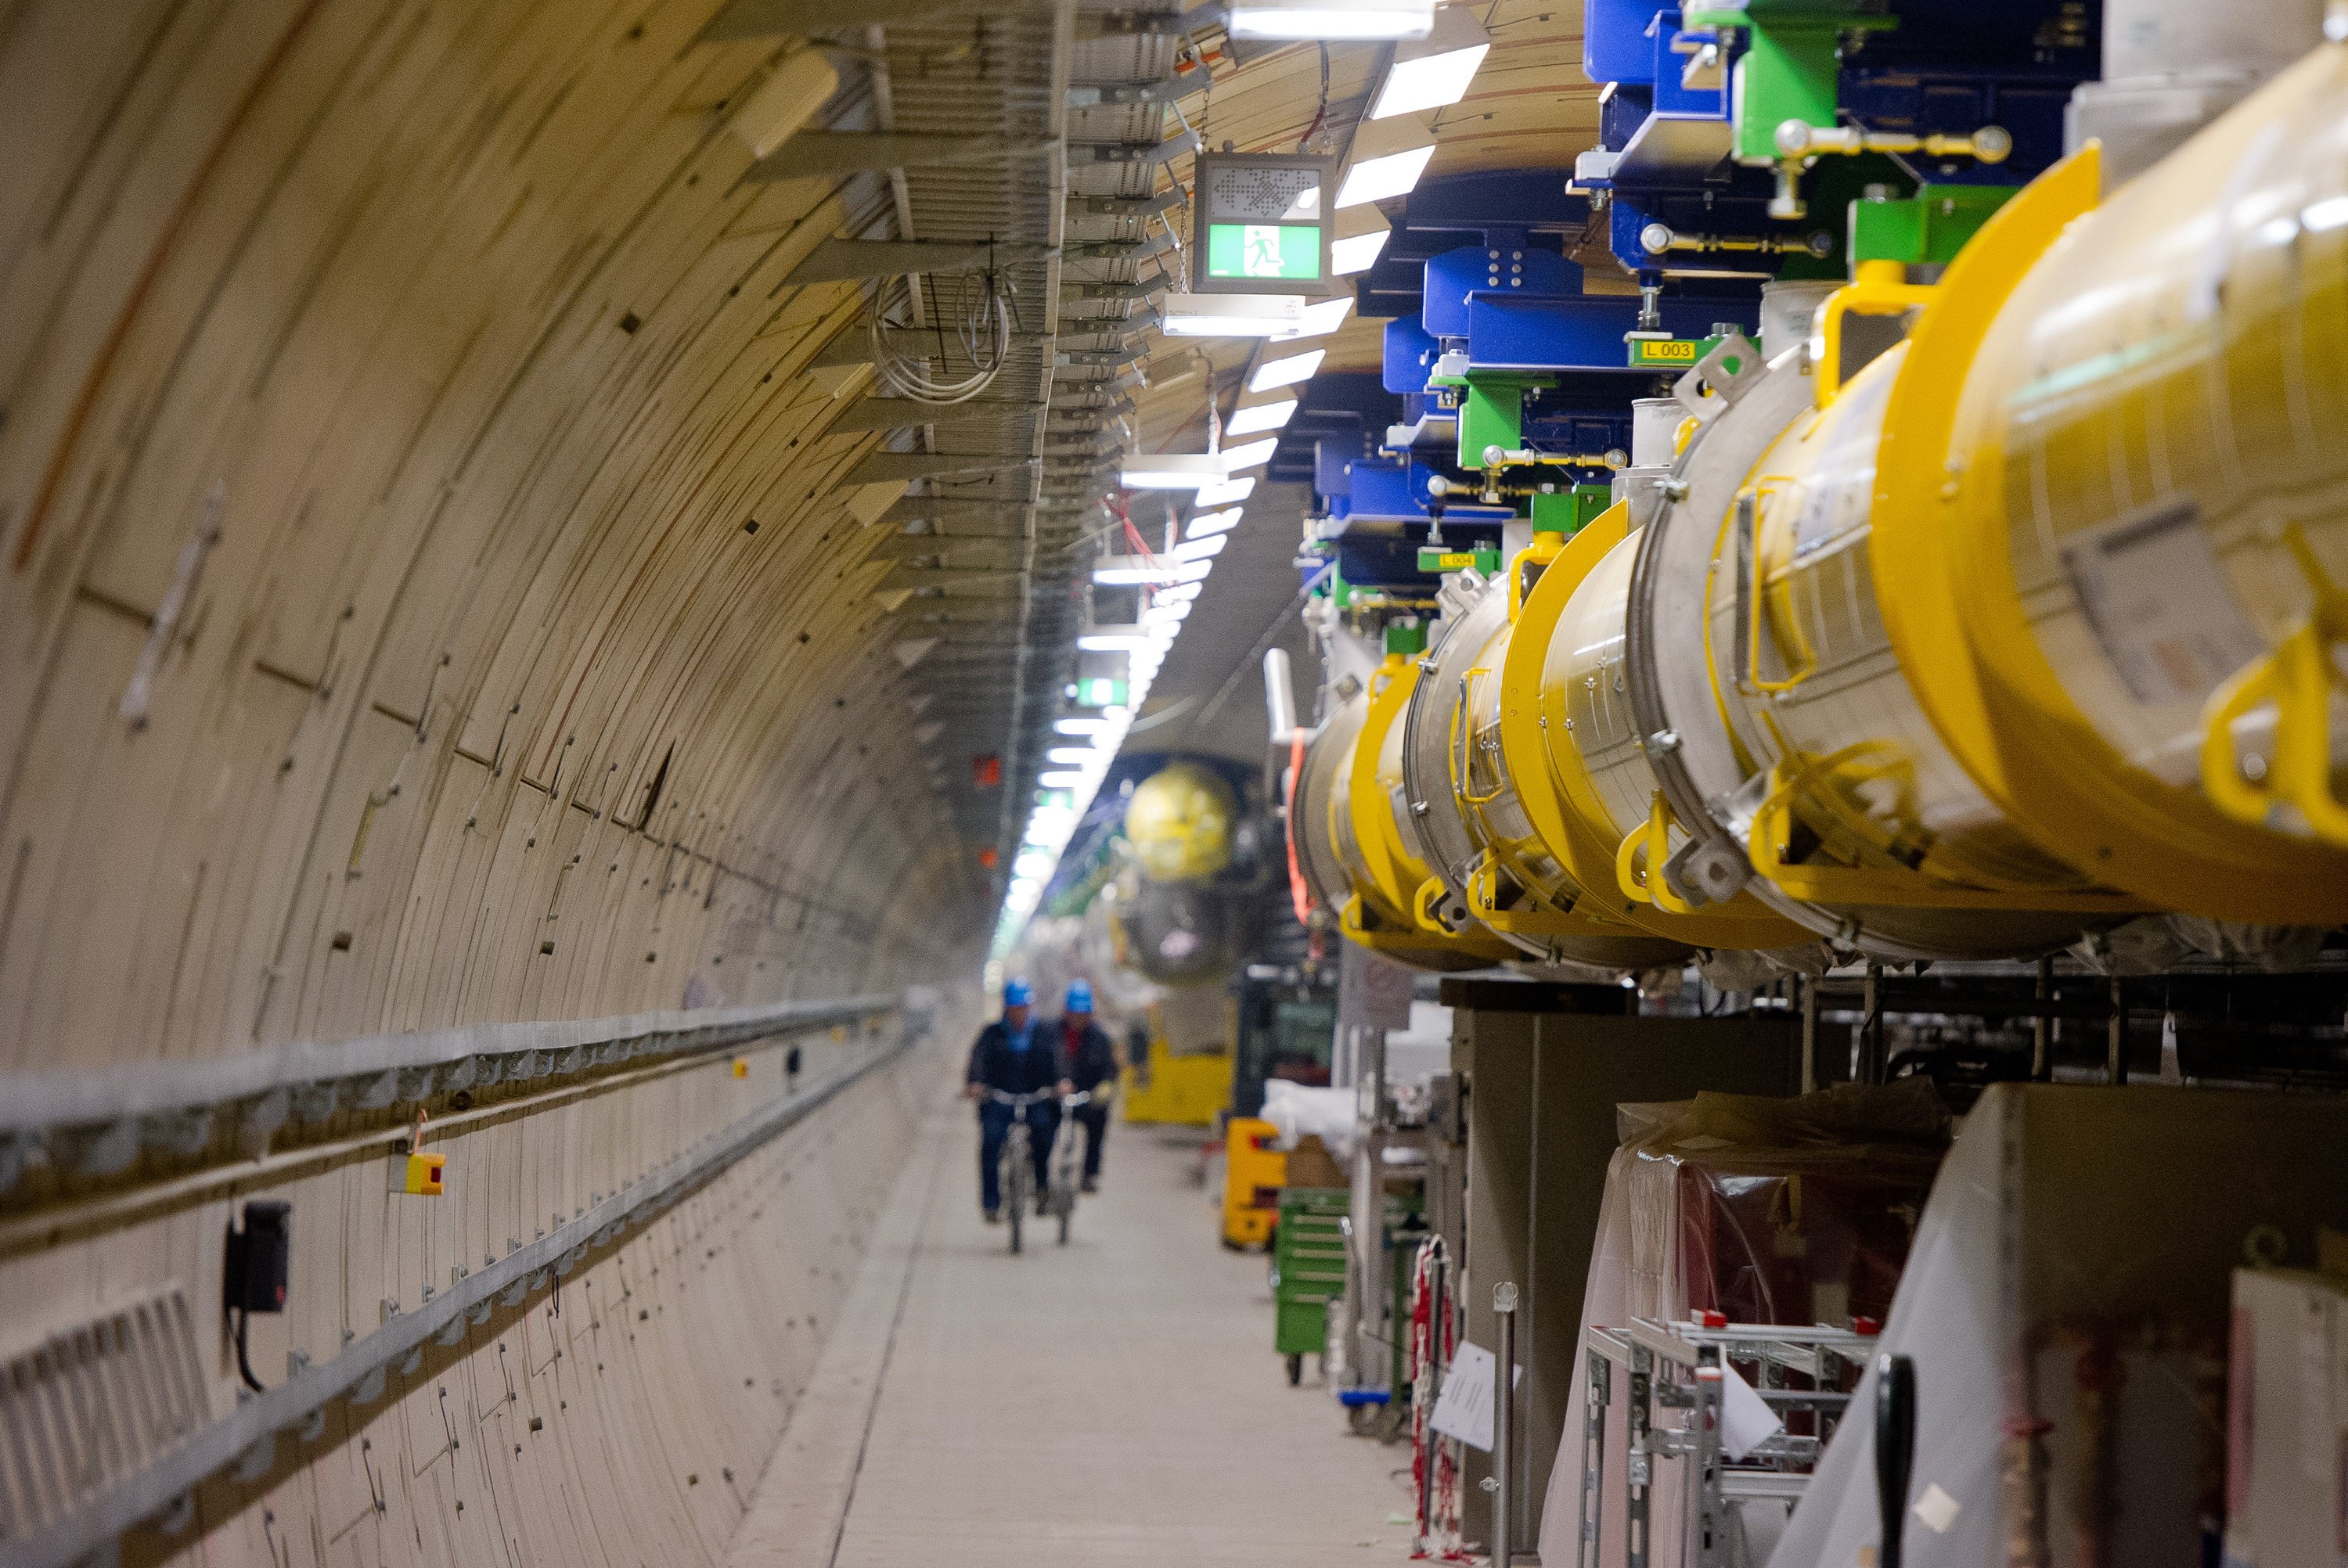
{"x":1017,"y":993}
{"x":1080,"y":996}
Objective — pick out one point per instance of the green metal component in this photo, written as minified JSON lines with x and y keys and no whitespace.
{"x":1569,"y":511}
{"x":1487,"y":561}
{"x":1789,"y":68}
{"x":1308,"y":1262}
{"x":1492,"y":414}
{"x":1308,"y":1268}
{"x":1407,"y":637}
{"x":1926,"y":228}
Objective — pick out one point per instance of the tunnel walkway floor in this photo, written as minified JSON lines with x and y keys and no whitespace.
{"x":1114,"y":1402}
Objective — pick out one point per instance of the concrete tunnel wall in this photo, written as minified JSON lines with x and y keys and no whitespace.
{"x":390,"y":391}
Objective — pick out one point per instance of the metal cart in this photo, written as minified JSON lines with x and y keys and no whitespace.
{"x":1679,"y":1366}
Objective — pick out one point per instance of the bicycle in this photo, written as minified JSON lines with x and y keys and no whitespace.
{"x":1017,"y":1168}
{"x":1067,"y":1161}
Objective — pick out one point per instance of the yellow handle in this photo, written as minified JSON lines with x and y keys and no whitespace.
{"x":1422,"y":905}
{"x":2298,"y":678}
{"x":1875,"y":293}
{"x":1639,"y":861}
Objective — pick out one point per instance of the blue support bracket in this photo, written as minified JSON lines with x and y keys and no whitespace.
{"x":1580,"y":331}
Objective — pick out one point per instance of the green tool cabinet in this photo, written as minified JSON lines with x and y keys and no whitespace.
{"x":1308,"y":1267}
{"x":1308,"y":1270}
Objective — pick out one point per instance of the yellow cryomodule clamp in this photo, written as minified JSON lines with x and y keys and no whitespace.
{"x":1561,"y":801}
{"x":1877,"y":289}
{"x":1639,"y":862}
{"x":2301,"y":678}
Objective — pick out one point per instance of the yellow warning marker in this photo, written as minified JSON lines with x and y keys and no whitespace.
{"x":416,"y":1170}
{"x":420,"y":1173}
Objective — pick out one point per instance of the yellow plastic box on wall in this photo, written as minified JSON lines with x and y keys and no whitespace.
{"x":420,"y":1174}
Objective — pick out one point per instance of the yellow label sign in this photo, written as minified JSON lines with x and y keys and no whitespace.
{"x":1454,"y":560}
{"x":1676,"y":351}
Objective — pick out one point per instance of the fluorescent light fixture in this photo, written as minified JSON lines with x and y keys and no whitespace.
{"x":1184,"y":592}
{"x":1230,"y":490}
{"x":1377,"y":178}
{"x":1331,"y":19}
{"x":1356,"y":254}
{"x":1252,"y":455}
{"x":1430,"y":72}
{"x":1109,"y":639}
{"x":1322,"y":319}
{"x":1273,"y":373}
{"x":1207,"y":522}
{"x":1061,"y":780}
{"x":1080,"y":726}
{"x":1198,"y":549}
{"x":1262,"y":417}
{"x":1068,"y":756}
{"x":1230,"y":315}
{"x":1170,"y":470}
{"x":1130,"y":571}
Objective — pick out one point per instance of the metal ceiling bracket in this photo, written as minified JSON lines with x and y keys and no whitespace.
{"x":835,"y":260}
{"x":813,"y":154}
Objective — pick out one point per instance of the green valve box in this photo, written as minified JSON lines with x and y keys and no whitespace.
{"x":1570,"y":511}
{"x":1926,"y":228}
{"x":1791,"y":65}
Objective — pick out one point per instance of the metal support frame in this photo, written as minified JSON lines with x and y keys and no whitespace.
{"x":1598,"y":1391}
{"x":882,"y":467}
{"x":1504,"y":1426}
{"x":822,"y":154}
{"x":2115,"y":1066}
{"x":95,"y":1124}
{"x":248,"y":1437}
{"x":2041,"y":1040}
{"x":1810,"y":993}
{"x":1682,"y":1366}
{"x":838,"y":261}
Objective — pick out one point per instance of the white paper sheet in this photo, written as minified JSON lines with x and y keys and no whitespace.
{"x":1464,"y":1408}
{"x":1747,"y":1421}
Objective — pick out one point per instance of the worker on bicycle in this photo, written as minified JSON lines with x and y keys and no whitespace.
{"x":1089,"y":1059}
{"x":1014,"y":1056}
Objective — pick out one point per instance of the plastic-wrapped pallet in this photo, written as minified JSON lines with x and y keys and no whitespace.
{"x":1300,"y":1110}
{"x":1769,"y":1211}
{"x":2066,"y":1308}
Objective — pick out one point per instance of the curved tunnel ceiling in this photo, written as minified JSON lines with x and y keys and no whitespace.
{"x":435,"y":585}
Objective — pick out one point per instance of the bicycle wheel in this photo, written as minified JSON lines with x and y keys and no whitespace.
{"x":1016,"y":1178}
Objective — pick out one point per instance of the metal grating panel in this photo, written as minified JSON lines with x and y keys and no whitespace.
{"x":97,"y":1403}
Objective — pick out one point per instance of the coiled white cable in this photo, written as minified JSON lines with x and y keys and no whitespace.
{"x":983,"y":331}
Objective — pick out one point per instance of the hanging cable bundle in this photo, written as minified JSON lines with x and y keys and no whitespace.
{"x":981,"y":304}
